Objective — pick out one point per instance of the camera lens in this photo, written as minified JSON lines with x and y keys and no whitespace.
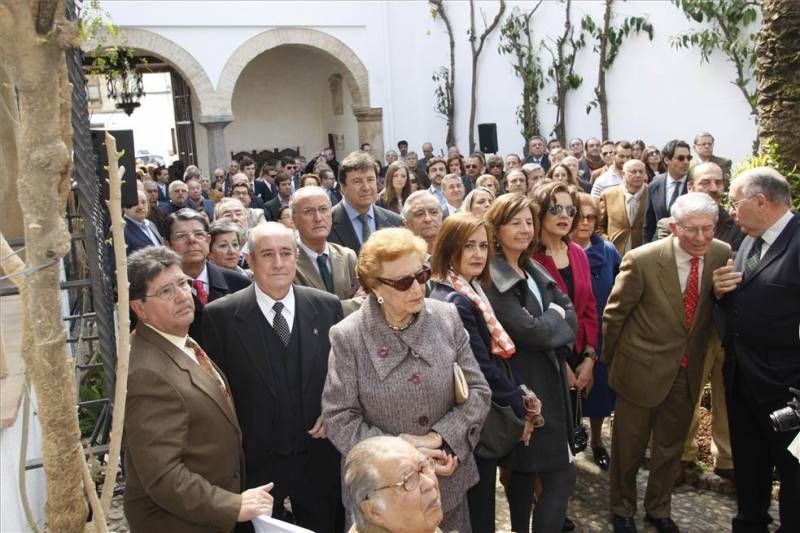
{"x":785,"y":419}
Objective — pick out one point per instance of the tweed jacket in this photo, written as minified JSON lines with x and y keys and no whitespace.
{"x":645,"y":332}
{"x":612,"y":219}
{"x":540,"y":335}
{"x":183,"y":446}
{"x":382,"y":382}
{"x":343,"y":270}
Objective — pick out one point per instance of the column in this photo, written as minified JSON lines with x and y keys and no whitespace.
{"x":370,"y":127}
{"x":217,"y":153}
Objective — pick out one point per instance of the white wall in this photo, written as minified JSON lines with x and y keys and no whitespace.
{"x":282,"y":100}
{"x":655,"y":92}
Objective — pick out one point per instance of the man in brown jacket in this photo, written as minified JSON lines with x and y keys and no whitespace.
{"x":622,"y":208}
{"x":656,"y":328}
{"x":183,"y":459}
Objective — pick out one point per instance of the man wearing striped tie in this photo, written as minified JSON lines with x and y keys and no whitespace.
{"x":760,"y":303}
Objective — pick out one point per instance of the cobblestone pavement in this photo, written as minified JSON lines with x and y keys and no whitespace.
{"x":694,"y":510}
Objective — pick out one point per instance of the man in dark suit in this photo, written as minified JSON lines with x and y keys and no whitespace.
{"x":161,"y":176}
{"x":271,"y":340}
{"x":272,"y":209}
{"x":188,"y":235}
{"x":537,"y":152}
{"x":655,"y":334}
{"x":196,"y":199}
{"x":260,"y":188}
{"x":139,"y":231}
{"x":178,"y":198}
{"x":357,"y":217}
{"x":760,"y":313}
{"x":183,"y":445}
{"x":154,"y":214}
{"x":665,"y":188}
{"x":704,"y":148}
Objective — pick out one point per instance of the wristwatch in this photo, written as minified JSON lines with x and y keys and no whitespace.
{"x":591,"y":355}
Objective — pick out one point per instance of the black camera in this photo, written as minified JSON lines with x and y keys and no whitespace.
{"x":787,"y":418}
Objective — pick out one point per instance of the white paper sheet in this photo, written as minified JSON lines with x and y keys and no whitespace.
{"x":267,"y":524}
{"x":794,"y":447}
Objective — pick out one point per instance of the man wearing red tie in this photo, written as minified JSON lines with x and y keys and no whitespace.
{"x":655,"y":329}
{"x":187,"y":234}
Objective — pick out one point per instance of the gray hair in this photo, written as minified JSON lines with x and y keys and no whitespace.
{"x":191,"y":172}
{"x":361,"y":474}
{"x":270,"y":228}
{"x":145,"y":265}
{"x":223,"y":225}
{"x":174,"y":185}
{"x":694,"y":203}
{"x":767,"y":181}
{"x":630,"y":163}
{"x":305,"y":192}
{"x":471,"y":197}
{"x":413,"y":197}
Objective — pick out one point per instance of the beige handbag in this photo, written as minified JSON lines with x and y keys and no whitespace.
{"x":460,"y":385}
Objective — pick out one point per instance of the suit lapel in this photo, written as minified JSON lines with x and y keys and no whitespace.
{"x":311,"y":274}
{"x":217,"y":286}
{"x":775,"y":250}
{"x":250,"y":318}
{"x":340,"y":282}
{"x":344,"y":228}
{"x":308,"y":335}
{"x":659,"y":193}
{"x":640,"y":209}
{"x":197,"y":375}
{"x":668,"y":277}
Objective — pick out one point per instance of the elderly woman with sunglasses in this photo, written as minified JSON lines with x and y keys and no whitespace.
{"x":399,"y":367}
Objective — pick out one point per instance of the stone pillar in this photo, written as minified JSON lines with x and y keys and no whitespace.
{"x":217,"y":153}
{"x":370,"y":128}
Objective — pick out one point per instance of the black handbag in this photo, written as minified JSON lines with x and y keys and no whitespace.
{"x":502,"y":430}
{"x":580,"y":437}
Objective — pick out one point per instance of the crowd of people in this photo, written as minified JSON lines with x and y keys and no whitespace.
{"x":366,"y":347}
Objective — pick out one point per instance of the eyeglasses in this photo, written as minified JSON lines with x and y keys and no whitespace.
{"x":693,"y":231}
{"x":198,"y":235}
{"x":405,"y":283}
{"x":557,"y":209}
{"x":470,"y":166}
{"x":410,"y":481}
{"x":587,"y":218}
{"x":169,"y":291}
{"x":652,"y":153}
{"x":311,"y":211}
{"x":737,"y":203}
{"x":228,"y":246}
{"x":682,"y":158}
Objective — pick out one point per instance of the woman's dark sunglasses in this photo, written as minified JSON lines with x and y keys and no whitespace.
{"x":403,"y":284}
{"x":557,"y":209}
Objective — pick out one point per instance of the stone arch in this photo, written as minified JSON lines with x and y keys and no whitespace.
{"x":183,"y":62}
{"x":354,"y":70}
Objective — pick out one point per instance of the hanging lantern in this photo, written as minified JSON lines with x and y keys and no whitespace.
{"x":124,"y":83}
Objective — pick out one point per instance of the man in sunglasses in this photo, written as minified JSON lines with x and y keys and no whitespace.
{"x":271,"y":341}
{"x":392,"y":487}
{"x":656,"y":327}
{"x":187,"y":234}
{"x":667,"y":187}
{"x":183,"y":453}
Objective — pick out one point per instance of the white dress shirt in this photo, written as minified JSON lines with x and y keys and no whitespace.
{"x":265,"y":303}
{"x":671,"y":184}
{"x":771,"y":235}
{"x":312,"y":255}
{"x":683,"y":261}
{"x":180,"y":343}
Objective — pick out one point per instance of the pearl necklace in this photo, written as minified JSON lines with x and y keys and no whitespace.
{"x":403,"y":327}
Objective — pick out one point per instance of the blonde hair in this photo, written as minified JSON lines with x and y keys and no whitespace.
{"x":383,"y":246}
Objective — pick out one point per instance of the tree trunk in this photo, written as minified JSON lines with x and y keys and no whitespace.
{"x":778,"y":75}
{"x":36,"y":64}
{"x":476,"y":44}
{"x":600,"y":90}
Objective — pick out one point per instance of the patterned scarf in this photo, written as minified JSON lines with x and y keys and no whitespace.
{"x":502,"y":345}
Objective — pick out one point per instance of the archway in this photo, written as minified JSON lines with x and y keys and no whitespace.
{"x":352,"y":70}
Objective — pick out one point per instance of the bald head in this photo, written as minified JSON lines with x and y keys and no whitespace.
{"x":707,"y":178}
